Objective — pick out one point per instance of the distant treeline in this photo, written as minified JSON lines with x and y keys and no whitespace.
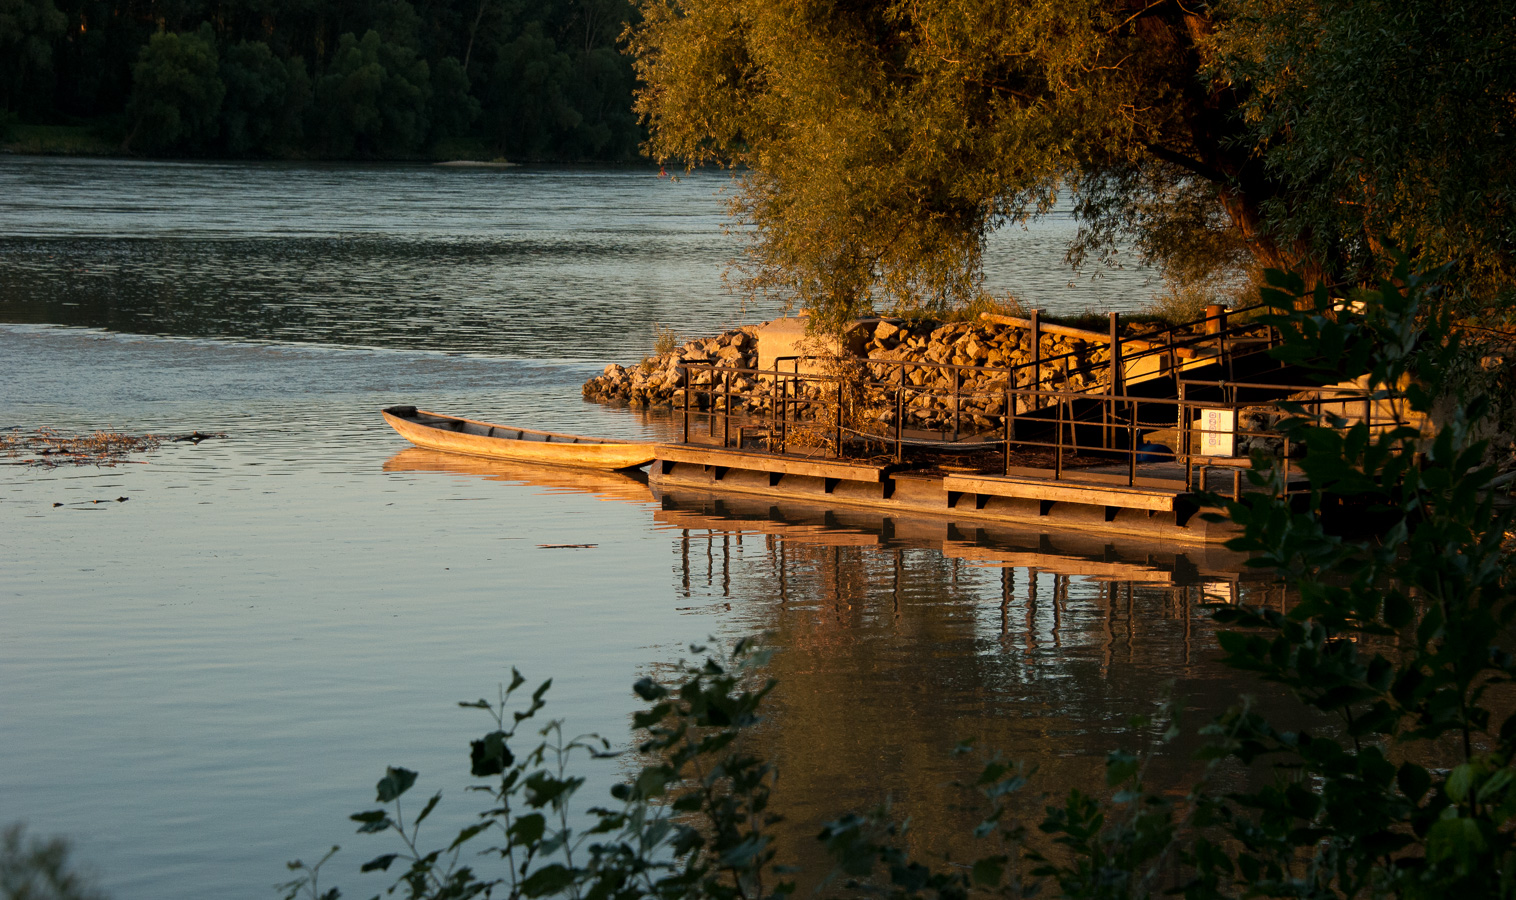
{"x":522,"y":79}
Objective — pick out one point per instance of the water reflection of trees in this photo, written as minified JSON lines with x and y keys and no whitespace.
{"x":898,"y":641}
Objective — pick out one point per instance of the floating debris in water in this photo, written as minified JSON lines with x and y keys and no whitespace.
{"x":48,"y":447}
{"x":93,"y":502}
{"x":196,"y":437}
{"x":566,"y":546}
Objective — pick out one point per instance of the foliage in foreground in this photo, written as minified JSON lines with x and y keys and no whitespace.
{"x":33,"y":868}
{"x":1399,"y":637}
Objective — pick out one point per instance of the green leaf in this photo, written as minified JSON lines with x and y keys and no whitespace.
{"x":1454,"y":838}
{"x":543,"y":788}
{"x":551,"y":879}
{"x":430,"y":805}
{"x":490,"y":755}
{"x":382,"y":863}
{"x":396,"y":781}
{"x":528,"y":830}
{"x":373,"y":821}
{"x":1119,"y":767}
{"x":467,"y":834}
{"x":1460,"y":780}
{"x":988,"y":871}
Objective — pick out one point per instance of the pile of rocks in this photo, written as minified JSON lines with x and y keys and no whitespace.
{"x":658,"y":380}
{"x":1069,"y":363}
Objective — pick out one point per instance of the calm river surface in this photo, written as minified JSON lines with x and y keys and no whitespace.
{"x":209,"y":655}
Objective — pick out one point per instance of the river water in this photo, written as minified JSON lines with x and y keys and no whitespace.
{"x":210,"y":653}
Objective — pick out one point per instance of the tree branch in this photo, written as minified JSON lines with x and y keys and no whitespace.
{"x":1192,"y":165}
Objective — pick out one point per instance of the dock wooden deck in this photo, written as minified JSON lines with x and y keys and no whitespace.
{"x":775,"y":463}
{"x":1094,"y":494}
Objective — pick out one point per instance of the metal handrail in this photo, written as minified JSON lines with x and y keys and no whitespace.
{"x":785,"y":398}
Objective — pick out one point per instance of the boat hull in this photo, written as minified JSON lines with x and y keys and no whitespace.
{"x":451,"y":434}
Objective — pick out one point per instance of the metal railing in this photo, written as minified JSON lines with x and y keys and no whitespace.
{"x":772,"y":407}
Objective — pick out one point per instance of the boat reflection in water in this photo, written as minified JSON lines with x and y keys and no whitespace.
{"x":897,"y":638}
{"x":605,"y":484}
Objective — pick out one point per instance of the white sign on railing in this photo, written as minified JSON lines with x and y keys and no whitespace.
{"x":1218,"y":432}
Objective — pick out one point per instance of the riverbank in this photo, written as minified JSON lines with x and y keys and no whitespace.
{"x":1073,"y":359}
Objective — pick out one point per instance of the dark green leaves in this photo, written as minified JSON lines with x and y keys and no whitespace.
{"x":372,"y":821}
{"x":394,"y":783}
{"x":693,"y":823}
{"x":490,"y":755}
{"x":380,"y":863}
{"x":547,"y":880}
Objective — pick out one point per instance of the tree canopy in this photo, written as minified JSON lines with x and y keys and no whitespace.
{"x":329,"y":78}
{"x":880,"y":142}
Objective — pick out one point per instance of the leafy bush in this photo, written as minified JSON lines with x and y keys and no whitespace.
{"x":39,"y":869}
{"x":692,"y":823}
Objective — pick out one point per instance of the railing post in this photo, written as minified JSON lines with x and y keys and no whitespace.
{"x":1131,"y":441}
{"x":726,"y":409}
{"x":1036,"y":350}
{"x":957,"y":400}
{"x":839,"y":417}
{"x":689,"y":388}
{"x":1058,"y":442}
{"x":1118,"y":375}
{"x":1009,"y":421}
{"x":784,"y":412}
{"x":774,"y":409}
{"x":1184,"y":439}
{"x":899,"y":417}
{"x":1118,"y":367}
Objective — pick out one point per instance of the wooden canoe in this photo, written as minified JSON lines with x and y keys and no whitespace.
{"x":435,"y":431}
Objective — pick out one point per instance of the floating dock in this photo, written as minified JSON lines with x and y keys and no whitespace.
{"x":1154,"y":509}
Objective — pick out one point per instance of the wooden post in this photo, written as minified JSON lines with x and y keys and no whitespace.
{"x":726,"y":410}
{"x":689,"y":388}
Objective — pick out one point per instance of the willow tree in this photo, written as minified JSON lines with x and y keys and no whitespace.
{"x":877,"y":143}
{"x":1388,"y":123}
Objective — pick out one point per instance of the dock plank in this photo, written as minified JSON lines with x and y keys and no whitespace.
{"x":770,"y":462}
{"x":1152,"y":499}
